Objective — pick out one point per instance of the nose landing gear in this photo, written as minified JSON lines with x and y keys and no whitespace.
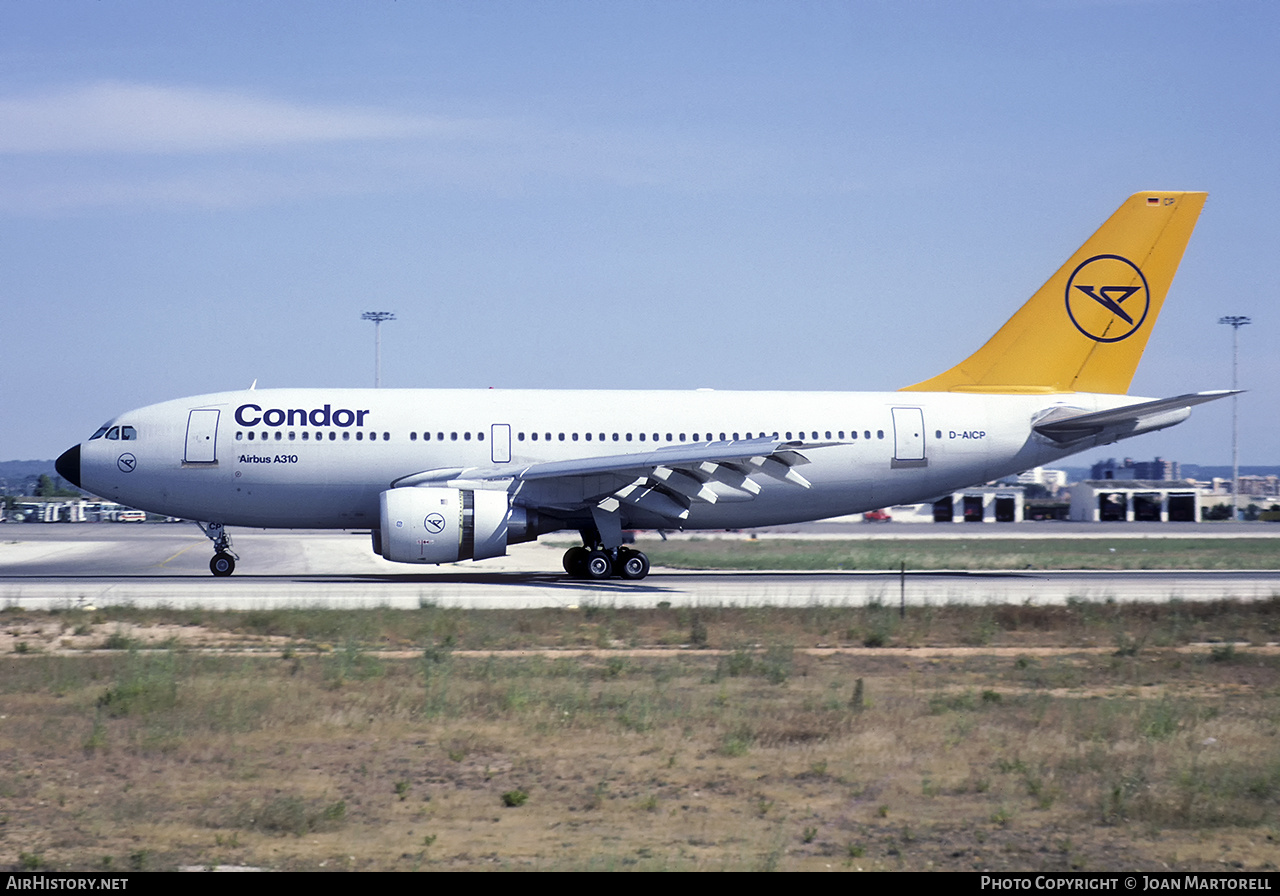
{"x":222,"y":564}
{"x":224,"y":559}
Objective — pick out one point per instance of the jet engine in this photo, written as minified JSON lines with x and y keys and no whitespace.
{"x":442,"y":525}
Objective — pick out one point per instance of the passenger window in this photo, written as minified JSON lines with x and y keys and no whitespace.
{"x":615,"y":437}
{"x":251,"y":436}
{"x":453,"y":437}
{"x":333,"y":437}
{"x":346,"y":436}
{"x":292,"y":435}
{"x":575,"y":437}
{"x":879,"y":433}
{"x":466,"y":437}
{"x":533,"y":436}
{"x":479,"y":436}
{"x":360,"y":436}
{"x":562,"y":437}
{"x":279,"y":436}
{"x":519,"y":437}
{"x":304,"y":435}
{"x":866,"y":433}
{"x":239,"y":436}
{"x":413,"y":437}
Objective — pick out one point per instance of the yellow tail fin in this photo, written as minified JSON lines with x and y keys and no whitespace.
{"x":1085,"y":330}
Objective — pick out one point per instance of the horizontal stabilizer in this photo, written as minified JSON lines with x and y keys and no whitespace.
{"x":1067,"y":425}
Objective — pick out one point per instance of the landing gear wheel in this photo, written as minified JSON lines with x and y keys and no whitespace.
{"x":632,"y":565}
{"x":599,"y":565}
{"x":222,"y":564}
{"x":575,"y":562}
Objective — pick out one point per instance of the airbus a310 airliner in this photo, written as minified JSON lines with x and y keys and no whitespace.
{"x":447,"y":475}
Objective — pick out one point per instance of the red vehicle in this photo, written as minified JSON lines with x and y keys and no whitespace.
{"x":877,"y":516}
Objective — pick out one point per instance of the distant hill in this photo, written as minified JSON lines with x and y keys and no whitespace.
{"x":12,"y":468}
{"x":19,"y":477}
{"x":16,"y":470}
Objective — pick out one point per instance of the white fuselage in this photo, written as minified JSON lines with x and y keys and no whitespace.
{"x":319,"y":458}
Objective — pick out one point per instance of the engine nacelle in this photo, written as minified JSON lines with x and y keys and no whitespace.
{"x":441,"y":525}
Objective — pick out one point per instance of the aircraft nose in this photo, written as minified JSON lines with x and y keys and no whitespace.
{"x":68,"y":465}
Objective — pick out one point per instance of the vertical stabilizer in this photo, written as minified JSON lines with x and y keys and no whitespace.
{"x":1085,"y":330}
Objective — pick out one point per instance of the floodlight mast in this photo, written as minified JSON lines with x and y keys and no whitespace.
{"x":1235,"y":322}
{"x":377,"y":317}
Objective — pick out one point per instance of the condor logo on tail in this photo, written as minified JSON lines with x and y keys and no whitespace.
{"x":1107,"y":298}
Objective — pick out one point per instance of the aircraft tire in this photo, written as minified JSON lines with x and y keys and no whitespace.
{"x":222,"y":564}
{"x":632,"y":565}
{"x":575,"y":562}
{"x":599,"y":565}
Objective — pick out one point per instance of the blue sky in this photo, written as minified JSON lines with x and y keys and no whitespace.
{"x":754,"y":195}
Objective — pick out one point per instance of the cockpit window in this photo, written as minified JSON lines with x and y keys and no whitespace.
{"x":102,"y":431}
{"x":114,"y":433}
{"x":128,"y":433}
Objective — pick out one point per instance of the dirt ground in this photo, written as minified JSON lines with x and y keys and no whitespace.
{"x":146,"y":744}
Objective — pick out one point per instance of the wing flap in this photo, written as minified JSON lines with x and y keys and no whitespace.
{"x":665,"y":481}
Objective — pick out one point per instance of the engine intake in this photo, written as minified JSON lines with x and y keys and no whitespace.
{"x":442,"y":525}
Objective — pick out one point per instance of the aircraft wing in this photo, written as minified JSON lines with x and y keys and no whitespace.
{"x":664,"y":481}
{"x":1068,"y":425}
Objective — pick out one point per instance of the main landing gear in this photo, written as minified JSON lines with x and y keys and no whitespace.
{"x":224,"y":559}
{"x":599,"y":562}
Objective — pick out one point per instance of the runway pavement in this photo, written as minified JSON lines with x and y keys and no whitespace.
{"x":51,"y":566}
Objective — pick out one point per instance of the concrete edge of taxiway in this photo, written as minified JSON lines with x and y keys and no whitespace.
{"x":516,"y":591}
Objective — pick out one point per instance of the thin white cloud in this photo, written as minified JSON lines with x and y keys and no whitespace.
{"x":117,"y":117}
{"x":116,"y":144}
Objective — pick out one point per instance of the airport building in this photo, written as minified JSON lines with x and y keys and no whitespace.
{"x":1136,"y":500}
{"x":1159,"y":469}
{"x":981,"y":504}
{"x":1050,"y":479}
